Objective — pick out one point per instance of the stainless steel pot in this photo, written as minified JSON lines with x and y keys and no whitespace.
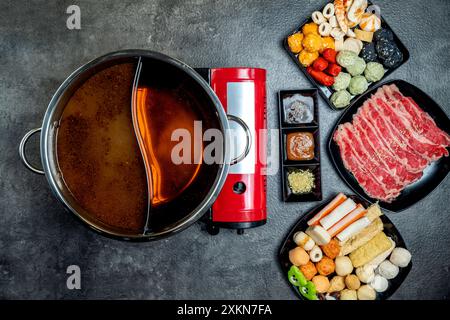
{"x":51,"y":122}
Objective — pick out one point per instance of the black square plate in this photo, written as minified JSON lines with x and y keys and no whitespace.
{"x":315,"y":195}
{"x":316,"y":137}
{"x":389,"y":229}
{"x":306,"y":93}
{"x":326,"y":92}
{"x":433,"y":175}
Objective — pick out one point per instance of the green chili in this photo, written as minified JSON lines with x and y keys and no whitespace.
{"x":296,"y":277}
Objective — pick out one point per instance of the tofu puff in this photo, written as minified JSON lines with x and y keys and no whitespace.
{"x":373,"y":212}
{"x":369,"y":251}
{"x":365,"y":235}
{"x":362,"y":237}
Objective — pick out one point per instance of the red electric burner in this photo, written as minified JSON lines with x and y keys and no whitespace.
{"x":242,"y":202}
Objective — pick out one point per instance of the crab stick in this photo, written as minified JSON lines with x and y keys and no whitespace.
{"x":353,"y":229}
{"x":328,"y":209}
{"x":337,"y":214}
{"x":319,"y":235}
{"x":356,"y":214}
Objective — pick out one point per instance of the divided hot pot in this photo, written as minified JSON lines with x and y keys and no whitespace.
{"x":153,"y":75}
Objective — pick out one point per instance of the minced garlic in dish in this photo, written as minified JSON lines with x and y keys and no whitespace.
{"x":301,"y":181}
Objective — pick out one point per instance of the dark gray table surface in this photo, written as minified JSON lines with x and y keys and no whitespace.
{"x":39,"y":239}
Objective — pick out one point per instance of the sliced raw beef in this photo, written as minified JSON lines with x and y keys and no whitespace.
{"x":392,"y":141}
{"x":420,"y":120}
{"x":365,"y":179}
{"x":418,"y":142}
{"x":389,"y":160}
{"x":371,"y":161}
{"x":425,"y":124}
{"x":389,"y":143}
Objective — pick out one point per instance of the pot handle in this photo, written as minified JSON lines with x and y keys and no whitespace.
{"x":22,"y":155}
{"x":248,"y":135}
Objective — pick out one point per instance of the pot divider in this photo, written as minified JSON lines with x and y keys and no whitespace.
{"x":137,"y":131}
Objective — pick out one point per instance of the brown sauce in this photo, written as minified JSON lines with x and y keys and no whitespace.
{"x":98,"y":153}
{"x":300,"y":146}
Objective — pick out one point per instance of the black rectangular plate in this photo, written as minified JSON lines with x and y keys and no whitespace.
{"x":326,"y":92}
{"x":433,"y":175}
{"x":314,"y":164}
{"x":389,"y":229}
